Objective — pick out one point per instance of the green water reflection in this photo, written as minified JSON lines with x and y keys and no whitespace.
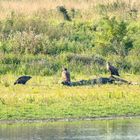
{"x":128,"y":129}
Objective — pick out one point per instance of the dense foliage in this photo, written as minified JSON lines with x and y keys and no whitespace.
{"x":36,"y":45}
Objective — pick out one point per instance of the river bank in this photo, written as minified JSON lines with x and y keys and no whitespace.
{"x":71,"y":119}
{"x":53,"y":100}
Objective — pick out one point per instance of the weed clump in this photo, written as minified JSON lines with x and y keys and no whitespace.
{"x":64,"y":11}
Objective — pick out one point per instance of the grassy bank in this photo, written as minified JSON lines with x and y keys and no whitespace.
{"x":82,"y":36}
{"x":44,"y":98}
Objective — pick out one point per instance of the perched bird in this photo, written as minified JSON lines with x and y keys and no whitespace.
{"x":112,"y":69}
{"x":22,"y":80}
{"x":66,"y":77}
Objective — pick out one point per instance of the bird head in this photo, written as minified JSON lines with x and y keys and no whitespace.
{"x":64,"y":69}
{"x":30,"y":77}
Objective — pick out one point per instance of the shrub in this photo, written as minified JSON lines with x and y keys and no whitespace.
{"x":111,"y":38}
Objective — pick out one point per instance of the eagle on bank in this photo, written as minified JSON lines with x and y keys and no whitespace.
{"x":113,"y":70}
{"x":22,"y":80}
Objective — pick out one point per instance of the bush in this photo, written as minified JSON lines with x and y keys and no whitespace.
{"x":111,"y":38}
{"x":34,"y":45}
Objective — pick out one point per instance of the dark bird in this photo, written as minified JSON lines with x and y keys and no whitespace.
{"x":22,"y":80}
{"x":112,"y":69}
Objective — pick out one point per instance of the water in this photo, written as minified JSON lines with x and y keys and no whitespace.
{"x":128,"y":129}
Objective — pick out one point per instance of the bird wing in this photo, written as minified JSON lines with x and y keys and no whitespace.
{"x":114,"y":70}
{"x":23,"y":79}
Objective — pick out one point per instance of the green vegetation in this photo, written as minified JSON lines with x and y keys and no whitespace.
{"x":43,"y":98}
{"x":39,"y":41}
{"x":27,"y":42}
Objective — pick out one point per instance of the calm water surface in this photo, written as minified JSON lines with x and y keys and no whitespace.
{"x":128,"y":129}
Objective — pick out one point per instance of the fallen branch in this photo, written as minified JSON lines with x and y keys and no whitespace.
{"x":101,"y":81}
{"x":118,"y":79}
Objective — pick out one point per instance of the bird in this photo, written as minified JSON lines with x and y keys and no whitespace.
{"x":22,"y":80}
{"x":112,"y":69}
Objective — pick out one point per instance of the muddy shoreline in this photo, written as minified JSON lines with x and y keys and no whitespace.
{"x":70,"y":119}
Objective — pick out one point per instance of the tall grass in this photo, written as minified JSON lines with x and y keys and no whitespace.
{"x":30,"y":45}
{"x":87,"y":7}
{"x":30,"y":40}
